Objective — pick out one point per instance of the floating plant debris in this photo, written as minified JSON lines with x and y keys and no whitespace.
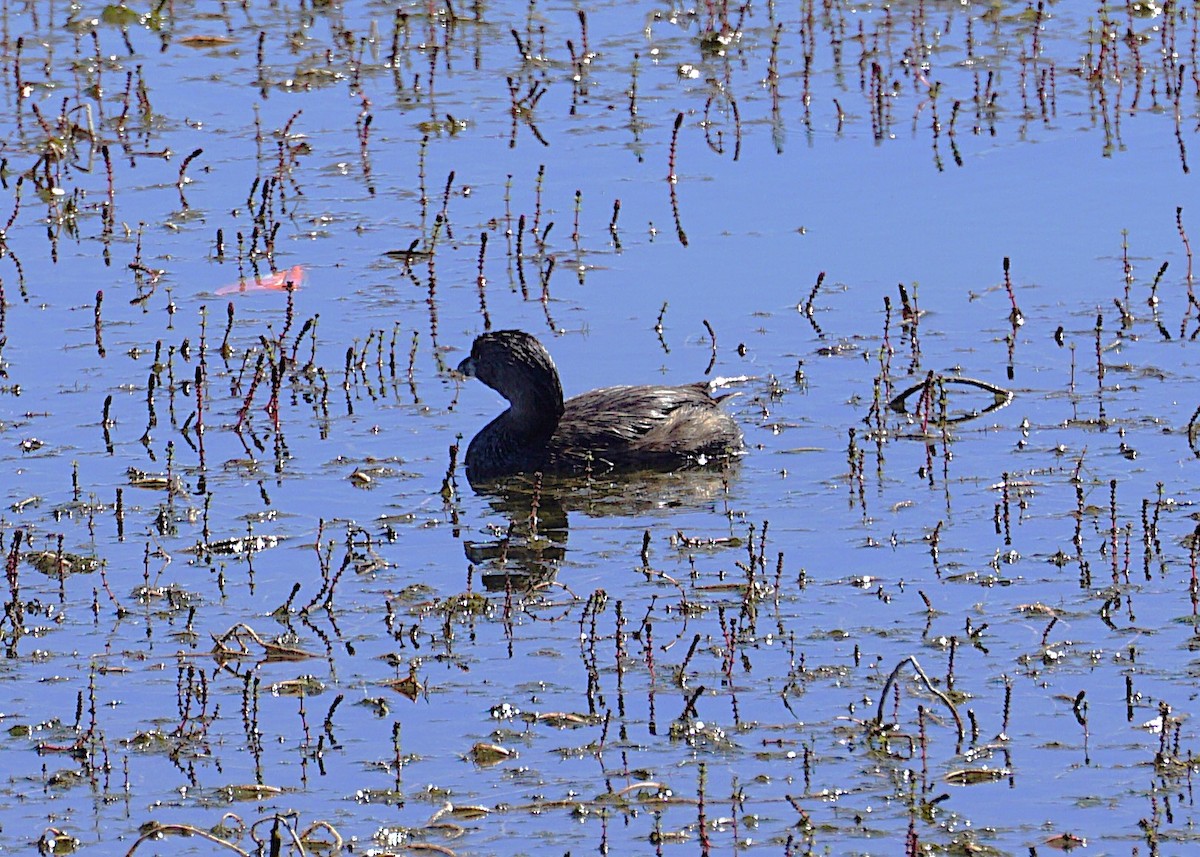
{"x":408,"y":686}
{"x":975,"y":776}
{"x":199,"y":41}
{"x":236,"y":545}
{"x":931,"y":391}
{"x":303,"y":686}
{"x":280,"y":281}
{"x":55,"y":563}
{"x":485,"y":755}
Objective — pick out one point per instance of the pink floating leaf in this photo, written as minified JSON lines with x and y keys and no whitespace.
{"x":280,"y":281}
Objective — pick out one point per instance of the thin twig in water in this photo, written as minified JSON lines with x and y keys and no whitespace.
{"x":887,"y":685}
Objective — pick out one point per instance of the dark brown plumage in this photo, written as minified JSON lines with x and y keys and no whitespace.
{"x":623,"y":428}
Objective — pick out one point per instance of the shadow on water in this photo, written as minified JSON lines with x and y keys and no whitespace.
{"x":532,"y":546}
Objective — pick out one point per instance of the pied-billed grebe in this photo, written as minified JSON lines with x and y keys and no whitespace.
{"x":623,"y":428}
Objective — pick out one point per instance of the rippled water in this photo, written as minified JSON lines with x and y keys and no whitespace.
{"x":250,"y":594}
